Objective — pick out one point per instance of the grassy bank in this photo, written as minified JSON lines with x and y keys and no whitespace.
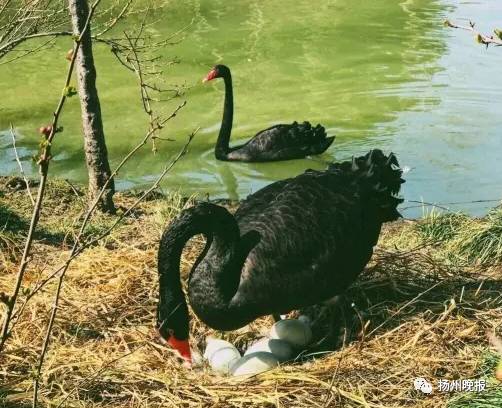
{"x":423,"y":304}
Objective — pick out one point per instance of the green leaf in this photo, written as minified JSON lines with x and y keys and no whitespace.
{"x":69,"y":91}
{"x":498,"y":33}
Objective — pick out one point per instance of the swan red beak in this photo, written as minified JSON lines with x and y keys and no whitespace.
{"x":182,"y":347}
{"x":211,"y":75}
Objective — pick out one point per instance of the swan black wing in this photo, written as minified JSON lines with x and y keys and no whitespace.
{"x":316,"y":234}
{"x":256,"y":202}
{"x":283,"y":142}
{"x":313,"y":243}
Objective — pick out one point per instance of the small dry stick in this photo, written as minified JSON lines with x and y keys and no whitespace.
{"x":87,"y":380}
{"x":404,"y":306}
{"x":20,"y":165}
{"x":480,"y":38}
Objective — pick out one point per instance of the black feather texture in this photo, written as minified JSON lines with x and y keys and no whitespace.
{"x":294,"y":243}
{"x":283,"y":142}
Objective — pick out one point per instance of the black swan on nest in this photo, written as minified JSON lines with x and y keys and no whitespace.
{"x":294,"y":243}
{"x":278,"y":142}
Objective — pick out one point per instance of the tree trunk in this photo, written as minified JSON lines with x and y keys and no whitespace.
{"x":96,"y":154}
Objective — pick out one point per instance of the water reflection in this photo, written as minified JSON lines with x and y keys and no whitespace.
{"x":376,"y":74}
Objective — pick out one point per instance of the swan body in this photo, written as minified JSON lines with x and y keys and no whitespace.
{"x":292,"y":244}
{"x":278,"y":142}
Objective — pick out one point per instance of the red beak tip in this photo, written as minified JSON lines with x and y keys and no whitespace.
{"x":210,"y":76}
{"x":182,"y":347}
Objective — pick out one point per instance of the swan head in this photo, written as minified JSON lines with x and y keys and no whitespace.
{"x":172,"y":326}
{"x":218,"y":71}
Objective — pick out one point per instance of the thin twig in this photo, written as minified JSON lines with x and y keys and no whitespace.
{"x":90,"y":211}
{"x":88,"y":379}
{"x":481,"y":38}
{"x":20,"y":165}
{"x":4,"y":49}
{"x":43,"y":163}
{"x":115,"y":20}
{"x":28,"y":52}
{"x":79,"y":248}
{"x":404,"y":307}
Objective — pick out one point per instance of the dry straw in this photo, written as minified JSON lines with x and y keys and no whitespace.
{"x":420,"y":313}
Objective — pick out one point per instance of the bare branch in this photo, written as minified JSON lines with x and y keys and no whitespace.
{"x":28,"y":190}
{"x":115,"y":20}
{"x":43,"y":162}
{"x":30,"y":20}
{"x":128,"y":51}
{"x":5,"y":48}
{"x":78,"y":248}
{"x":155,"y":125}
{"x":29,"y":51}
{"x":480,"y":38}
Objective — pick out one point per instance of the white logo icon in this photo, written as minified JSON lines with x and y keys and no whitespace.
{"x":421,"y":384}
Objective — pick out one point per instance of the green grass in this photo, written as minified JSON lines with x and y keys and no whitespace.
{"x":482,"y":242}
{"x":460,"y":238}
{"x":491,"y":397}
{"x":53,"y":228}
{"x":437,"y":226}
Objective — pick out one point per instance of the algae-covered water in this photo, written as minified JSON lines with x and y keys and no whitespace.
{"x":383,"y":74}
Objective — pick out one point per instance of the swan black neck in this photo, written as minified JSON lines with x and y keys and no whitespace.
{"x":222,"y":144}
{"x":222,"y":234}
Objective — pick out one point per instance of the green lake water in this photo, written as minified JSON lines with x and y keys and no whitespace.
{"x":377,"y":74}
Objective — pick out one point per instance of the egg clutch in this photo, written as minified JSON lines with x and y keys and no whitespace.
{"x":286,"y":338}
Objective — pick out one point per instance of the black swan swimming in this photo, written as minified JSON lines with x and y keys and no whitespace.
{"x":278,"y":142}
{"x":294,"y":243}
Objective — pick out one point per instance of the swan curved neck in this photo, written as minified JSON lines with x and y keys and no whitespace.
{"x":216,"y":278}
{"x":222,"y":144}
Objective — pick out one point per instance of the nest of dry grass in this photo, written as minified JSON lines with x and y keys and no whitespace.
{"x":419,"y":315}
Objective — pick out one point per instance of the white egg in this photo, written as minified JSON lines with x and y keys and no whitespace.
{"x":221,"y":355}
{"x":295,"y":332}
{"x":281,"y":349}
{"x":254,"y":363}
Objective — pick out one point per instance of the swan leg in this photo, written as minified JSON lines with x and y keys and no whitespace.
{"x":334,"y":323}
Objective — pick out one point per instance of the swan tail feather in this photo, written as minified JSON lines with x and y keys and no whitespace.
{"x":378,"y":177}
{"x":312,"y":136}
